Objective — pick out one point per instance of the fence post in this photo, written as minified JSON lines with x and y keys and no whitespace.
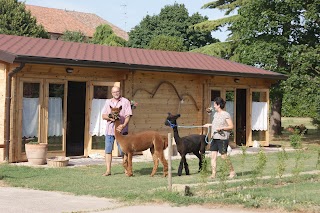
{"x":169,"y":162}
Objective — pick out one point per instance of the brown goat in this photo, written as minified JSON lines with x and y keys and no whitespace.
{"x":139,"y":142}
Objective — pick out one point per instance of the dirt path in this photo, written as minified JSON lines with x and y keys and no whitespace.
{"x":34,"y":201}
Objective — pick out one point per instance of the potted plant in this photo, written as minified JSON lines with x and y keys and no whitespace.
{"x":36,"y":153}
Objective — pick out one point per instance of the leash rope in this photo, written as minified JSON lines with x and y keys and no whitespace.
{"x":189,"y":127}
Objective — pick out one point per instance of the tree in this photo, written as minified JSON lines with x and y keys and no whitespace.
{"x":74,"y":36}
{"x":270,"y":30}
{"x":169,"y":43}
{"x":114,"y":40}
{"x":104,"y":35}
{"x":173,"y":20}
{"x":15,"y":20}
{"x":266,"y":33}
{"x":302,"y":96}
{"x":228,"y":6}
{"x":220,"y":49}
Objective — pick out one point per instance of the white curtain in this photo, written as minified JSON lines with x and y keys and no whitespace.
{"x":30,"y":117}
{"x":259,"y":116}
{"x":97,"y":124}
{"x":55,"y":115}
{"x":229,"y":108}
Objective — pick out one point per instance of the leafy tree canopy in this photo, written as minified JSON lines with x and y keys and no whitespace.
{"x":15,"y":20}
{"x":169,"y":43}
{"x":228,"y":6}
{"x":220,"y":49}
{"x":302,"y":93}
{"x":104,"y":35}
{"x":74,"y":36}
{"x":173,"y":20}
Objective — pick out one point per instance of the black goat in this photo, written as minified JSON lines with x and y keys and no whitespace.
{"x":195,"y":144}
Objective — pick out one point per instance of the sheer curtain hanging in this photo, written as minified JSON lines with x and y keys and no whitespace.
{"x":55,"y":115}
{"x":259,"y":116}
{"x":97,"y":125}
{"x":30,"y":117}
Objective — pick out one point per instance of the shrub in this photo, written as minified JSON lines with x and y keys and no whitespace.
{"x":295,"y":139}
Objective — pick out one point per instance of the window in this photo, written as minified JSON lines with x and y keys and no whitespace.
{"x":55,"y":117}
{"x":97,"y":125}
{"x":259,"y":119}
{"x":30,"y":113}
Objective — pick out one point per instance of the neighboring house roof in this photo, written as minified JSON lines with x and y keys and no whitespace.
{"x":58,"y":21}
{"x":45,"y":51}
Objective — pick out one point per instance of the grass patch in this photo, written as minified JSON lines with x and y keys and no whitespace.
{"x":311,"y":137}
{"x":290,"y":193}
{"x":296,"y":121}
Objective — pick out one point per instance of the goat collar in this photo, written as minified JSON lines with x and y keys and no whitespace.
{"x":171,"y":124}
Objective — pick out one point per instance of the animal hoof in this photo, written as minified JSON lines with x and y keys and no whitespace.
{"x":232,"y":175}
{"x":152,"y":174}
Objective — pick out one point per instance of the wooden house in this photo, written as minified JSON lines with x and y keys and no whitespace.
{"x":52,"y":92}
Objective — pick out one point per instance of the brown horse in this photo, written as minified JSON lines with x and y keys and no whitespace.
{"x":139,"y":142}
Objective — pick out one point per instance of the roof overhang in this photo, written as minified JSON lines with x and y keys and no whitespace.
{"x":10,"y":58}
{"x":7,"y":57}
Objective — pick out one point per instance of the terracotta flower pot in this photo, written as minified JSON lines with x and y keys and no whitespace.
{"x":36,"y":153}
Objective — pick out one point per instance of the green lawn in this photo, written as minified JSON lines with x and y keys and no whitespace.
{"x":290,"y":192}
{"x":311,"y":137}
{"x":293,"y":121}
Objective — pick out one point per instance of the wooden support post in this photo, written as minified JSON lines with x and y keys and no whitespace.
{"x":169,"y":162}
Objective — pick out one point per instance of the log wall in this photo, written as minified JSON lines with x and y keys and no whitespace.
{"x":159,"y":93}
{"x":2,"y":109}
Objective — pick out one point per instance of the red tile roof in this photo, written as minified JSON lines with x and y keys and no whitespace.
{"x":70,"y":20}
{"x":37,"y":50}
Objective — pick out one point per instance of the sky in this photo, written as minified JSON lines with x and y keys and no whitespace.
{"x":126,"y":14}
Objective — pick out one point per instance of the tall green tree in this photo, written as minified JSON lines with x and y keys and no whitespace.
{"x":173,"y":20}
{"x":15,"y":20}
{"x":302,"y":93}
{"x":169,"y":43}
{"x":269,"y":32}
{"x":266,"y":33}
{"x":229,"y":7}
{"x":104,"y":35}
{"x":220,"y":49}
{"x":75,"y":36}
